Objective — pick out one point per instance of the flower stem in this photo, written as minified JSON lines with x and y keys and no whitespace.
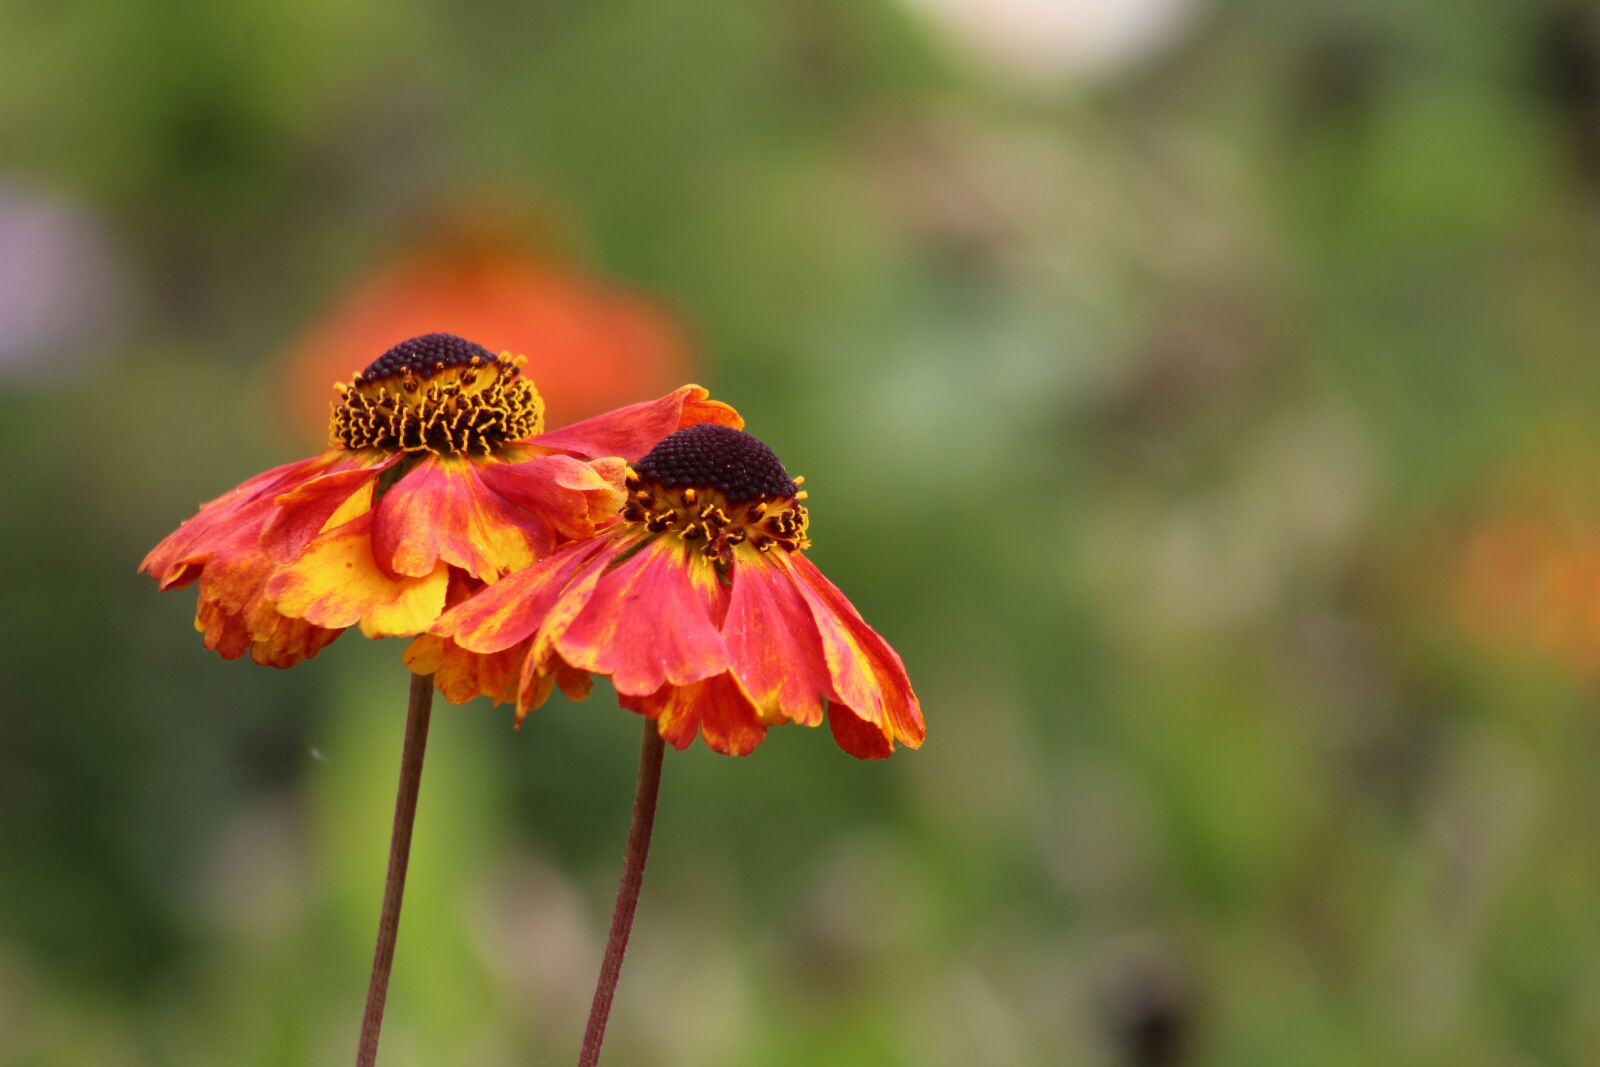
{"x":644,"y":818}
{"x":418,"y":712}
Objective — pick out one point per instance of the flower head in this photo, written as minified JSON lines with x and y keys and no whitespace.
{"x":437,"y":393}
{"x":437,"y":482}
{"x":700,"y":606}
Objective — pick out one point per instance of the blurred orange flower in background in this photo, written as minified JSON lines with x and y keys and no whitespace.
{"x":479,"y":271}
{"x":1526,"y":580}
{"x":1530,"y":584}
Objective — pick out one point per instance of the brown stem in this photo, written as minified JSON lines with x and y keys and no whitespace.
{"x":418,"y":712}
{"x":644,"y":818}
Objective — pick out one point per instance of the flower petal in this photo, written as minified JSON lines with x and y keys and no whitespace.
{"x":632,"y":431}
{"x":441,"y":510}
{"x":868,"y":676}
{"x":236,"y":616}
{"x":321,"y":503}
{"x":773,"y":645}
{"x":176,"y":560}
{"x":511,"y":610}
{"x":533,"y":686}
{"x":575,"y":685}
{"x":336,"y":583}
{"x":715,"y":708}
{"x":573,"y":496}
{"x":857,"y":736}
{"x":461,"y":675}
{"x":651,"y":620}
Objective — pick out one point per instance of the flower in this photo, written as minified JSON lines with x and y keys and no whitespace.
{"x":476,"y":272}
{"x":437,"y":482}
{"x":700,"y":606}
{"x":1524,"y":585}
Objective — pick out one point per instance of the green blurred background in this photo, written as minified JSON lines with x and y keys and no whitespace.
{"x":1201,"y":396}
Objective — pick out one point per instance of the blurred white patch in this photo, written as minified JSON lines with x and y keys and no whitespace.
{"x":60,"y":290}
{"x":1052,"y":41}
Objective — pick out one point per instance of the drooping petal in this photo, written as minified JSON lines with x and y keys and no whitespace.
{"x":461,"y":675}
{"x":288,"y":641}
{"x":514,"y":607}
{"x":575,"y":685}
{"x":320,"y":503}
{"x":651,"y":620}
{"x":632,"y":431}
{"x":236,"y":616}
{"x":224,"y":632}
{"x":715,"y":708}
{"x":773,"y":645}
{"x":575,"y":597}
{"x":728,"y":721}
{"x":176,"y":560}
{"x":572,"y":496}
{"x":336,"y":583}
{"x":868,"y":676}
{"x":678,"y":730}
{"x":441,"y":510}
{"x":533,"y":686}
{"x":862,"y":739}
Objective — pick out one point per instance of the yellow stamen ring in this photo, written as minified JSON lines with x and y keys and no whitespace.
{"x":703,"y":516}
{"x":465,"y":408}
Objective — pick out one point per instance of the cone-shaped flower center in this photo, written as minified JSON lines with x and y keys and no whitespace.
{"x":721,"y":487}
{"x":436,"y":393}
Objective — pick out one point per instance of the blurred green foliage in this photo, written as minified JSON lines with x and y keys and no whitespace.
{"x":1154,"y":412}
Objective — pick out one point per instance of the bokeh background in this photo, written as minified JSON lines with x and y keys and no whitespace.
{"x":1202,"y":396}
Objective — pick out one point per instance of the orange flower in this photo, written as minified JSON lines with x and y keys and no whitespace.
{"x":436,"y":483}
{"x":1527,"y":582}
{"x":699,"y":605}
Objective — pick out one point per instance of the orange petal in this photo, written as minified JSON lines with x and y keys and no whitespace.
{"x":715,"y":708}
{"x":533,"y":686}
{"x":306,"y":510}
{"x":573,"y":496}
{"x":773,"y":646}
{"x":461,"y":675}
{"x":651,"y":620}
{"x":868,"y":677}
{"x":224,"y":632}
{"x":441,"y":510}
{"x":176,"y":560}
{"x":336,"y":583}
{"x":236,"y":616}
{"x":511,"y":610}
{"x":632,"y":431}
{"x":575,"y":685}
{"x":678,"y":730}
{"x":862,"y":739}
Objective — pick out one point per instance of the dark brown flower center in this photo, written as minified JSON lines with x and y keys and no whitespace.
{"x":739,"y":466}
{"x":436,"y":393}
{"x":424,"y":357}
{"x":721,"y":488}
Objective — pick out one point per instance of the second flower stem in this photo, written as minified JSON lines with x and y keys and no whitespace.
{"x":644,"y":818}
{"x":418,"y":712}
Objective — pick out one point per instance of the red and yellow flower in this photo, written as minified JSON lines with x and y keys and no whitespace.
{"x":437,"y":481}
{"x":698,"y":603}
